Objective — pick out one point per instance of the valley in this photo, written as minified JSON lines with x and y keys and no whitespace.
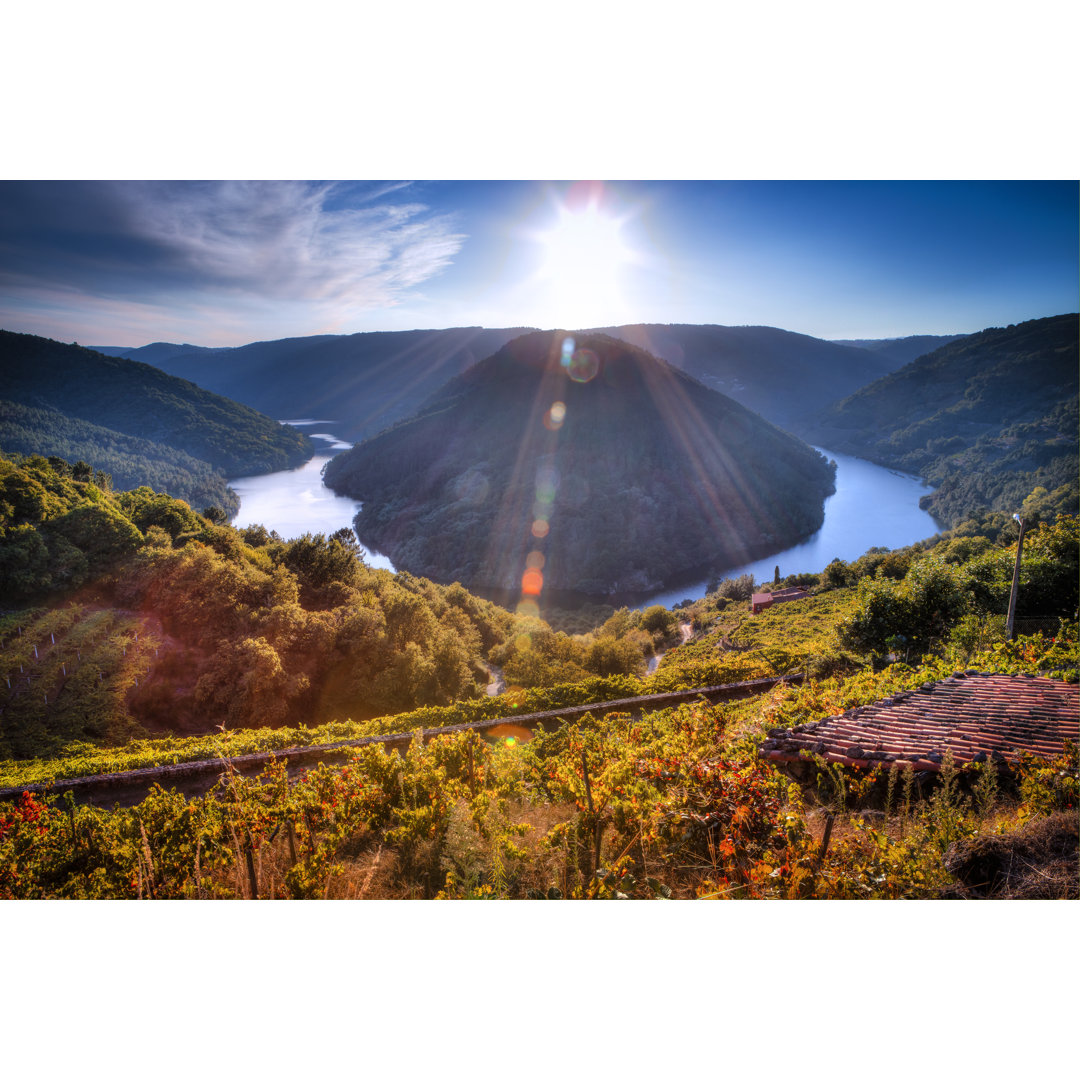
{"x":139,"y":633}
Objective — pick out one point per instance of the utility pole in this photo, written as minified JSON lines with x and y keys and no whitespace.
{"x":1010,"y":619}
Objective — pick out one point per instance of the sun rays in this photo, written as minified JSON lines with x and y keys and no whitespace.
{"x":726,"y":489}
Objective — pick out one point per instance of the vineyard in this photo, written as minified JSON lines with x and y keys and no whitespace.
{"x":676,"y":803}
{"x":67,"y":672}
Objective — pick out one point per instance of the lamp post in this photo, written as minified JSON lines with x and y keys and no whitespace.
{"x":1010,"y":619}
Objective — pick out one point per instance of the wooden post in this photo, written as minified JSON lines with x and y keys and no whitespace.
{"x":1010,"y":620}
{"x":829,"y":819}
{"x":595,"y":865}
{"x":310,"y":830}
{"x":253,"y":881}
{"x":151,"y":888}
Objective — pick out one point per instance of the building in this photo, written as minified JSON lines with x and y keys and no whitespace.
{"x":761,"y":600}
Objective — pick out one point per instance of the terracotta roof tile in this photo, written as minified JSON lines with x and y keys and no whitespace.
{"x":975,"y":714}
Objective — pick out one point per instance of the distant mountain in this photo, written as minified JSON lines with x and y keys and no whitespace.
{"x":158,"y":353}
{"x":370,"y":381}
{"x":987,"y":418}
{"x":786,"y":377}
{"x":612,"y":469}
{"x":365,"y":381}
{"x":903,"y":350}
{"x":71,"y":402}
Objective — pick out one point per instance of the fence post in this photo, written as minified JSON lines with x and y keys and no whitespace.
{"x":1010,"y":621}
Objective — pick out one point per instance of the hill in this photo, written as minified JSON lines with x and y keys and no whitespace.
{"x":131,"y":462}
{"x":617,"y":472}
{"x":784,"y":376}
{"x":206,"y":646}
{"x":900,"y":351}
{"x":987,"y":418}
{"x":113,"y":413}
{"x":365,"y":381}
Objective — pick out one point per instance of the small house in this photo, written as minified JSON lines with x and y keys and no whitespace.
{"x":761,"y":600}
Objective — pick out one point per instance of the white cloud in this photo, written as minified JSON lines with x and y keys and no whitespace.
{"x":280,"y":239}
{"x":217,"y":262}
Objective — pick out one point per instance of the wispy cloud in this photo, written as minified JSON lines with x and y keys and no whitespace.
{"x":319,"y":252}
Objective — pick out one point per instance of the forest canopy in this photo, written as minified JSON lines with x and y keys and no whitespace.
{"x":986,"y":419}
{"x":135,"y":422}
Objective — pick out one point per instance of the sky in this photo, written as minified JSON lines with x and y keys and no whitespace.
{"x":125,"y":263}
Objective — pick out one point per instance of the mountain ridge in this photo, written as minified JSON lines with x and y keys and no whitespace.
{"x":371,"y":380}
{"x":365,"y":381}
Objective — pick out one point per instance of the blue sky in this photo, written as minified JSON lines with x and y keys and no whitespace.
{"x":224,"y":263}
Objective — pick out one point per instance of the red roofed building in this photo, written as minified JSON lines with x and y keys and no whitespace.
{"x":977,"y":716}
{"x":761,"y":600}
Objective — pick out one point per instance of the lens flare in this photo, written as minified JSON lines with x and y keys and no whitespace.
{"x":510,"y":734}
{"x":567,"y":351}
{"x":535,"y":560}
{"x":584,"y":366}
{"x":529,"y":608}
{"x":532,"y":582}
{"x":554,"y":417}
{"x":540,"y":528}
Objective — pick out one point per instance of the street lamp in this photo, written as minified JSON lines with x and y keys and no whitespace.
{"x":1010,"y":619}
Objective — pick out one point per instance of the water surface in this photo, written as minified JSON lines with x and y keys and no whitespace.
{"x":296,"y":501}
{"x":872,"y":507}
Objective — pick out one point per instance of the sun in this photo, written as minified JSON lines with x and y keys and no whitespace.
{"x":579,"y":283}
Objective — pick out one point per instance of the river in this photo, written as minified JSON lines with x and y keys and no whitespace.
{"x":296,"y":501}
{"x":872,"y":507}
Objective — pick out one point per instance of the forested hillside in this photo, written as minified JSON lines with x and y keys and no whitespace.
{"x":143,"y":402}
{"x":218,"y":626}
{"x":129,"y":461}
{"x":619,"y":472}
{"x":365,"y":382}
{"x":986,"y":419}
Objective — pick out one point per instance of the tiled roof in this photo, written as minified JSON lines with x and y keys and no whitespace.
{"x":975,"y":714}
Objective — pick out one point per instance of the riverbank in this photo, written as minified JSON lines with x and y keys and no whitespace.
{"x":872,"y":507}
{"x":296,"y":501}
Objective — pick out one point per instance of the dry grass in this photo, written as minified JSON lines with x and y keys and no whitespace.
{"x":1038,"y":861}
